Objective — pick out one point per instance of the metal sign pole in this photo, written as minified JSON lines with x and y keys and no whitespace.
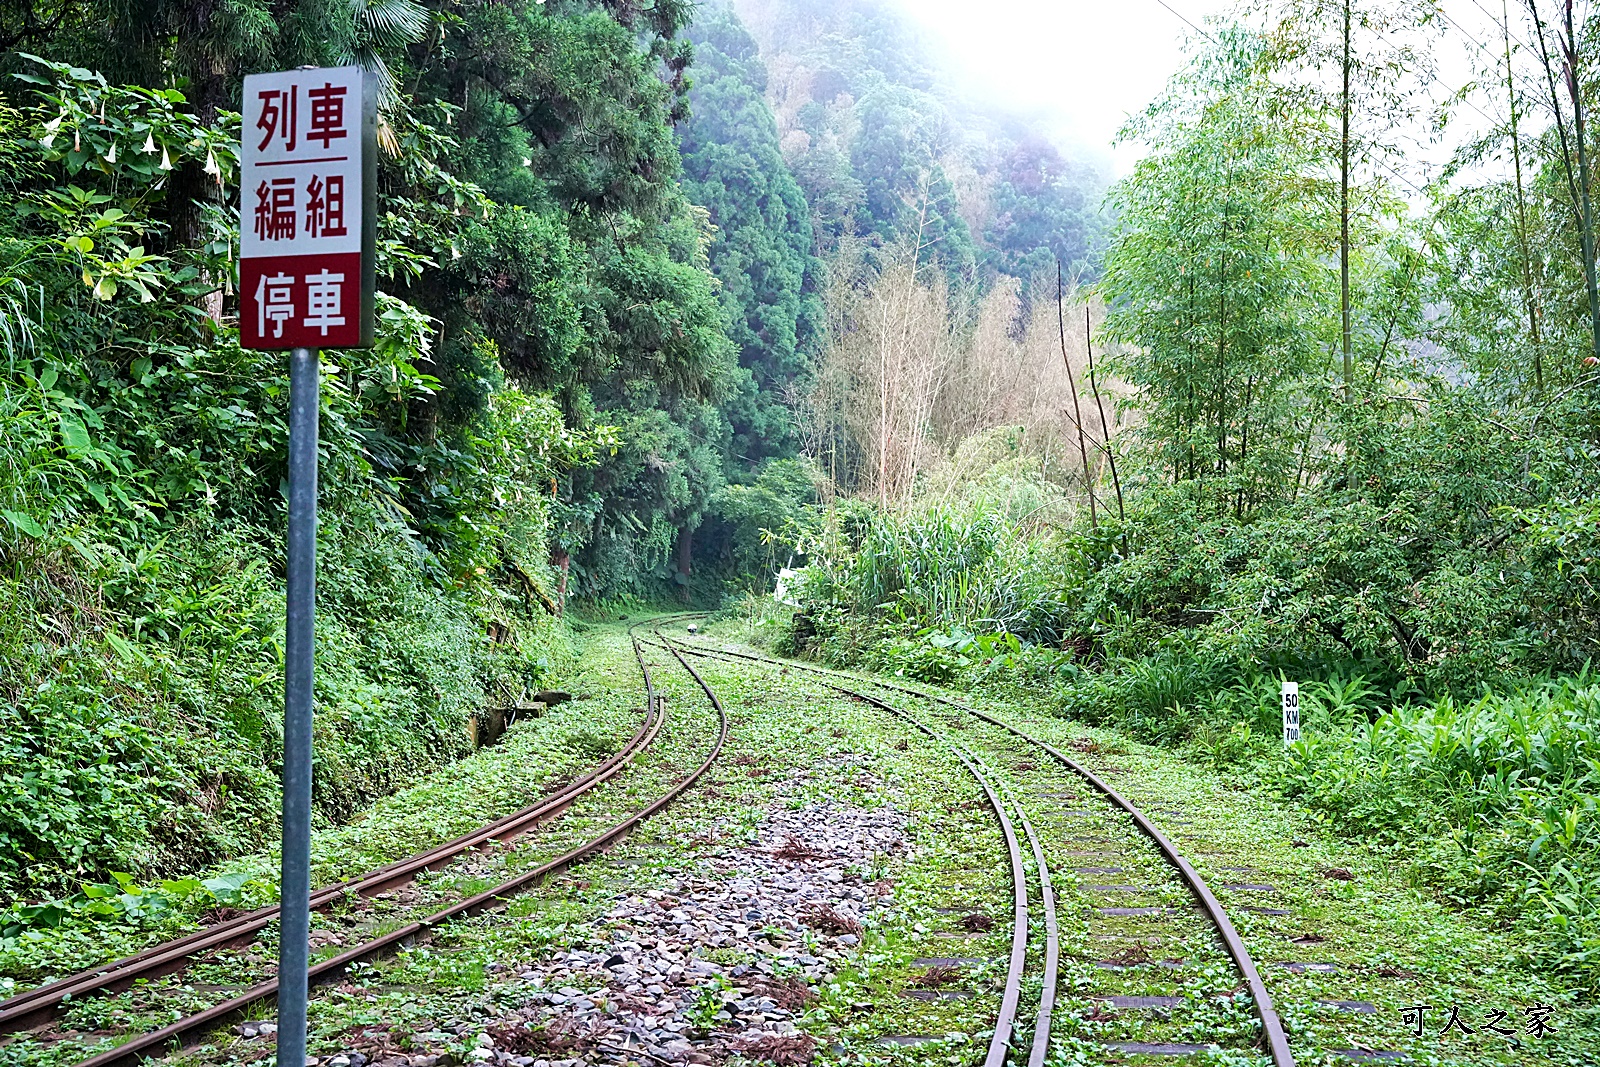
{"x":300,"y":638}
{"x":308,"y":210}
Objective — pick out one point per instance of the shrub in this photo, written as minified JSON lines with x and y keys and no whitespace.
{"x":1499,"y":792}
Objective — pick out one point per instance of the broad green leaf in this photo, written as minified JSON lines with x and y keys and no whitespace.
{"x":74,"y":434}
{"x":124,"y":650}
{"x":226,"y":887}
{"x":22,"y":523}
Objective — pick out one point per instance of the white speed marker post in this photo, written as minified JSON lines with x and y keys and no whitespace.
{"x":1291,"y":712}
{"x":307,"y":207}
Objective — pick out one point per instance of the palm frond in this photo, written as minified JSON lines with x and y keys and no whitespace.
{"x":383,"y":26}
{"x":390,"y":23}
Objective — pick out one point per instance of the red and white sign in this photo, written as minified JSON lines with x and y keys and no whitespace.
{"x":305,"y":207}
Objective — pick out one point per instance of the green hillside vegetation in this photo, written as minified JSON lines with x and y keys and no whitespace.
{"x":1412,"y":539}
{"x":601,"y":310}
{"x":886,"y":152}
{"x":674,"y":296}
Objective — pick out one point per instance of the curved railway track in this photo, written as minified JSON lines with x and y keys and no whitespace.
{"x":31,"y":1009}
{"x":41,"y":1005}
{"x":1272,"y":1033}
{"x":1009,"y":813}
{"x":1005,"y":1022}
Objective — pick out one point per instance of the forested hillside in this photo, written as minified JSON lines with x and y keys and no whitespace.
{"x":887,"y":151}
{"x":676,"y":295}
{"x":604,"y":279}
{"x":1359,"y":448}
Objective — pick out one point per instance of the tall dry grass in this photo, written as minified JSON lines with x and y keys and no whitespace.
{"x":912,"y":370}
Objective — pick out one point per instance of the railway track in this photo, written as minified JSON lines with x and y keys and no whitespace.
{"x":41,"y":1005}
{"x":1009,"y":813}
{"x":1015,"y":806}
{"x":1272,"y":1035}
{"x":37,"y":1008}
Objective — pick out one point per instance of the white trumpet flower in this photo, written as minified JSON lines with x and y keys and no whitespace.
{"x":149,"y":146}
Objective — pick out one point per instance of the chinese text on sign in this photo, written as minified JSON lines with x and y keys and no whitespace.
{"x":306,"y":209}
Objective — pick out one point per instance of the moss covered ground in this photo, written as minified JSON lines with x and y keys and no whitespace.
{"x":1347,"y":948}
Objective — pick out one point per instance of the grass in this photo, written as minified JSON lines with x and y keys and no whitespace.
{"x":491,"y":782}
{"x":1395,"y":943}
{"x":1489,"y":802}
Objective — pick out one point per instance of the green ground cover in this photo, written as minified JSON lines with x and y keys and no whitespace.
{"x":1392,"y":941}
{"x":534,"y":754}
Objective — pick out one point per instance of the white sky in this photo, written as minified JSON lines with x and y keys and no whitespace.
{"x":1080,"y":67}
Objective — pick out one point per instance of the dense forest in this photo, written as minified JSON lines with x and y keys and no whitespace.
{"x":601,"y":313}
{"x":673,"y":296}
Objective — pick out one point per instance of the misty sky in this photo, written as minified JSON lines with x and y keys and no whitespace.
{"x":1082,"y":65}
{"x":1079,"y":67}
